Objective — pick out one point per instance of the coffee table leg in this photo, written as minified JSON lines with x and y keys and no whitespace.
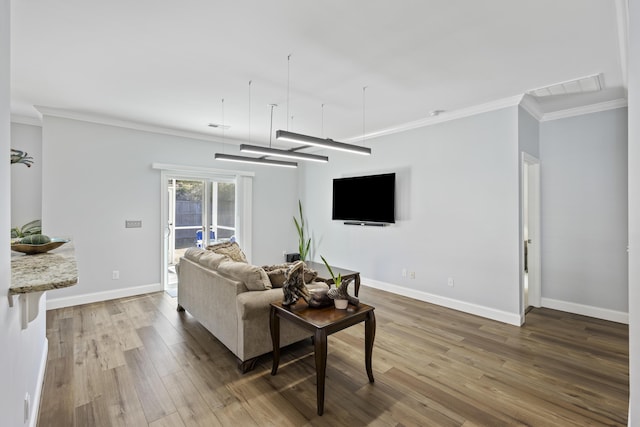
{"x":274,"y":325}
{"x":357,"y":284}
{"x":369,"y":336}
{"x":321,"y":365}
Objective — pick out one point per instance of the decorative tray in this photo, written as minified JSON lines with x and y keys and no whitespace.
{"x":29,"y":249}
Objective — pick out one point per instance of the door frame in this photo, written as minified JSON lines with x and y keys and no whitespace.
{"x":530,"y":206}
{"x":244,"y":197}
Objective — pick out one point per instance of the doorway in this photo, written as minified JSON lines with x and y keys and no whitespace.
{"x":530,"y":262}
{"x":199,"y":211}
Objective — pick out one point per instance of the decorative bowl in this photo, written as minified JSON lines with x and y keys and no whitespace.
{"x":29,"y":249}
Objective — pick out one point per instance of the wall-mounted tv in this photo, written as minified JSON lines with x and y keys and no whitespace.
{"x":365,"y":200}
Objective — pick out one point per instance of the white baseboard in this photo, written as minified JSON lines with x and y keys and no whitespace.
{"x":35,"y":403}
{"x":466,"y":307}
{"x":586,"y":310}
{"x":102,"y":296}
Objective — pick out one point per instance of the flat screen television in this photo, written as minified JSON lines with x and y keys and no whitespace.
{"x":365,"y":200}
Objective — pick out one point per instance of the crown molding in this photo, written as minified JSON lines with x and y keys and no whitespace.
{"x":587,"y":109}
{"x":525,"y":101}
{"x":112,"y":121}
{"x":26,"y":120}
{"x":440,"y":118}
{"x":531,"y":106}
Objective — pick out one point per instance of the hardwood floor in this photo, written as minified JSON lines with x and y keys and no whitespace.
{"x":137,"y":362}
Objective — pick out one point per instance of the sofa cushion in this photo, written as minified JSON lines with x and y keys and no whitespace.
{"x":253,"y":277}
{"x":212,"y":260}
{"x":230,"y":249}
{"x":194,"y":254}
{"x":277,"y":272}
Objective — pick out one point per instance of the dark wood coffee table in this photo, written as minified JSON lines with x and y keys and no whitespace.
{"x":325,"y":276}
{"x":323,"y":322}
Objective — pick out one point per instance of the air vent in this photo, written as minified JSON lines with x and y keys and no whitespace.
{"x":587,"y":84}
{"x":218,"y":126}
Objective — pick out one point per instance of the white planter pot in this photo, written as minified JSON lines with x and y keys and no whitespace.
{"x":341,"y":304}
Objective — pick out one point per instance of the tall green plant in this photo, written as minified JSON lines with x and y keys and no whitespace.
{"x":304,"y":244}
{"x":337,"y":280}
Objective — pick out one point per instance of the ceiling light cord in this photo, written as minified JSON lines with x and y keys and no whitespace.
{"x":249,"y":111}
{"x":288,"y":86}
{"x":223,"y":141}
{"x":271,"y":126}
{"x":322,"y":120}
{"x":364,"y":89}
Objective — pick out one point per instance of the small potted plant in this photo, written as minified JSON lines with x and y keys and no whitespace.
{"x":339,"y":293}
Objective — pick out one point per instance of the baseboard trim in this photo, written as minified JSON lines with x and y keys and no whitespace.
{"x":102,"y":296}
{"x":586,"y":310}
{"x":35,"y":404}
{"x":466,"y":307}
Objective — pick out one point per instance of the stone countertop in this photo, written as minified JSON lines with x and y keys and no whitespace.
{"x":43,"y":272}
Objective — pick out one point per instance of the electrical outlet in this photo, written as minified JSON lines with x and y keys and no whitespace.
{"x":450,"y":281}
{"x":133,"y":224}
{"x":412,"y":274}
{"x":115,"y":275}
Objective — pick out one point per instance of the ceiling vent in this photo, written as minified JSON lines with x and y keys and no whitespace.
{"x":219,"y":126}
{"x":587,"y":84}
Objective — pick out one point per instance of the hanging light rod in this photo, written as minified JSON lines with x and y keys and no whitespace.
{"x":266,"y":151}
{"x":243,"y":159}
{"x":284,"y":135}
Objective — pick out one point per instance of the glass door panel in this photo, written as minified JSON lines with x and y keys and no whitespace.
{"x":225,"y":211}
{"x":188,"y":215}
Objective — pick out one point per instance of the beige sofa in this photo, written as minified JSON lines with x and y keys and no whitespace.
{"x":231,"y":299}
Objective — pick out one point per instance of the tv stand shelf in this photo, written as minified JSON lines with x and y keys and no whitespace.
{"x":367,"y":224}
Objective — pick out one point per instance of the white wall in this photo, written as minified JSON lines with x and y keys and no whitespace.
{"x":26,"y":182}
{"x":23,"y":351}
{"x":584,"y":210}
{"x":97,"y":176}
{"x":457,"y":214}
{"x":528,"y":133}
{"x":634,"y":212}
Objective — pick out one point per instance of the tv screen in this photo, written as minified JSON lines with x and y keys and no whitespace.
{"x":364,"y":199}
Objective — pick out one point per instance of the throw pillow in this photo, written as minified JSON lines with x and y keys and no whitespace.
{"x":253,"y":277}
{"x":276,"y":274}
{"x":230,"y":249}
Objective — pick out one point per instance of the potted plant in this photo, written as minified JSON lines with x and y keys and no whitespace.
{"x":29,"y":229}
{"x":337,"y":294}
{"x":303,"y":243}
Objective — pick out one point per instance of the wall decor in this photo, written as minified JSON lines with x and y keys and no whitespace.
{"x":18,"y":156}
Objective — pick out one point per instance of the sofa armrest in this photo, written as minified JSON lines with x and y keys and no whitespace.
{"x":252,"y":302}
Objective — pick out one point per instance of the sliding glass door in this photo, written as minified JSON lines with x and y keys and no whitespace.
{"x":199,"y":213}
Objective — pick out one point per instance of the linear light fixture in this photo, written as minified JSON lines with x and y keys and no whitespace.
{"x":267,"y":151}
{"x":258,"y":161}
{"x":284,"y":135}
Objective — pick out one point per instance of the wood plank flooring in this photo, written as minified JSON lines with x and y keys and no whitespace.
{"x":138,"y":362}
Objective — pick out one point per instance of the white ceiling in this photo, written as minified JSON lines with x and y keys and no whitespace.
{"x":170,"y":63}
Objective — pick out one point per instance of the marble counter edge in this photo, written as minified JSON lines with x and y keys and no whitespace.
{"x":43,"y":272}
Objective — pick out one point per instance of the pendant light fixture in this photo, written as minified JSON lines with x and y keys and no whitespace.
{"x":282,"y":135}
{"x":252,"y":160}
{"x":268,"y":151}
{"x":289,"y":154}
